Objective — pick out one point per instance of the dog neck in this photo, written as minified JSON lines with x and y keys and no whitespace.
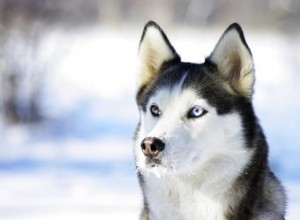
{"x":188,"y":196}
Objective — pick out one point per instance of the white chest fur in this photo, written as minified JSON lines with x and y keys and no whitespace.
{"x":179,"y":198}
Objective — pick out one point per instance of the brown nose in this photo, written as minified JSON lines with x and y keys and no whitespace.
{"x":152,"y":146}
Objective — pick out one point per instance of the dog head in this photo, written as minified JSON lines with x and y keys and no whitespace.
{"x":193,"y":116}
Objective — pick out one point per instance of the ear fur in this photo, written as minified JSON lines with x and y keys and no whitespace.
{"x":234,"y":62}
{"x":154,"y":51}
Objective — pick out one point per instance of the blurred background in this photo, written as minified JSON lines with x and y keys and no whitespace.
{"x":67,"y":89}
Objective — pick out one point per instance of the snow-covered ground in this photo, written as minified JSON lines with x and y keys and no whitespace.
{"x":79,"y":163}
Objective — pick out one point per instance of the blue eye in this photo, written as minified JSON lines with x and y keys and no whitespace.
{"x":155,"y":111}
{"x":196,"y":112}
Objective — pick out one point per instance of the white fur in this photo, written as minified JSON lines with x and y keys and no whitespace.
{"x":201,"y":159}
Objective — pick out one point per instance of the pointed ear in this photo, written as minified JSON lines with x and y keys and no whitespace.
{"x":154,"y":51}
{"x":234,"y":62}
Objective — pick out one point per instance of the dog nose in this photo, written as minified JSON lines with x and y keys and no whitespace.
{"x":152,"y":146}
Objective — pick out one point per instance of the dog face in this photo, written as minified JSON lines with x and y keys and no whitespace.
{"x":193,"y":116}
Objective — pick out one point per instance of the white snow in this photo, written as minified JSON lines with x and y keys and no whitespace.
{"x":79,"y":163}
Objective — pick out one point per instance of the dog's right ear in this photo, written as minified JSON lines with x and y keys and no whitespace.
{"x":155,"y":50}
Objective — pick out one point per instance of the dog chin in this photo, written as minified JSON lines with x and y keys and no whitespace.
{"x":156,"y":167}
{"x":157,"y":171}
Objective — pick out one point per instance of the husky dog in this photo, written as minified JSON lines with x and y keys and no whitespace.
{"x":200,"y":151}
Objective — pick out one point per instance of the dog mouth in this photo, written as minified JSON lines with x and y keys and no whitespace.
{"x":157,"y":167}
{"x":153,"y":162}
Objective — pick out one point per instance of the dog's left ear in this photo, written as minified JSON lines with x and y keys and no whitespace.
{"x":234,"y":62}
{"x":155,"y":50}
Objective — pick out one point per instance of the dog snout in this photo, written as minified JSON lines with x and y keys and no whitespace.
{"x":152,"y":146}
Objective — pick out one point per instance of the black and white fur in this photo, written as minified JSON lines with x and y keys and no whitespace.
{"x":200,"y":151}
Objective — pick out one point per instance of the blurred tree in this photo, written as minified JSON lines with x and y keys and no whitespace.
{"x":23,"y":26}
{"x":19,"y":38}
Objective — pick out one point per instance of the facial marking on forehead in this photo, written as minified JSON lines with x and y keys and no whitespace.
{"x":180,"y":84}
{"x":177,"y":99}
{"x":168,"y":91}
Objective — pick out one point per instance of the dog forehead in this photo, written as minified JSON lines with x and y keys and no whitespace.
{"x":176,"y":98}
{"x":176,"y":82}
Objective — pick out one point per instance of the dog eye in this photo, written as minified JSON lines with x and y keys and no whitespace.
{"x":196,"y":112}
{"x":155,"y":111}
